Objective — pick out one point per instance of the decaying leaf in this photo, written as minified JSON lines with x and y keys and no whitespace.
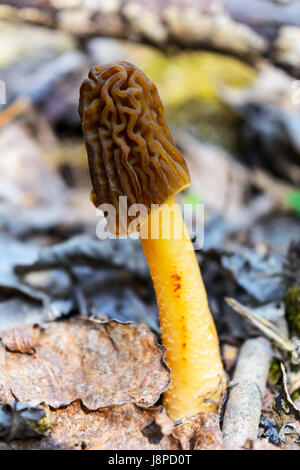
{"x":89,"y":251}
{"x":114,"y":428}
{"x":13,"y":252}
{"x":118,"y":298}
{"x":100,"y":364}
{"x":257,"y":275}
{"x":21,"y":339}
{"x":201,"y":431}
{"x":19,"y":420}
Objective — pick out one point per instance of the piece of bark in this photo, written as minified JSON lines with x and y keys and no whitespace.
{"x":243,"y":409}
{"x":253,"y":30}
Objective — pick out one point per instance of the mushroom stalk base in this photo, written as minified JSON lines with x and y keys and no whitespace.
{"x":187,"y":326}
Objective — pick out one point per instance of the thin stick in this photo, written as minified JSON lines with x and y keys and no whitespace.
{"x":266,"y":327}
{"x":243,"y":408}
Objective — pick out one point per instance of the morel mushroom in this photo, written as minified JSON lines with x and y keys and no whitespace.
{"x":131,"y":153}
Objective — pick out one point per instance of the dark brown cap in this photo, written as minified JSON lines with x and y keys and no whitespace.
{"x":130,"y":149}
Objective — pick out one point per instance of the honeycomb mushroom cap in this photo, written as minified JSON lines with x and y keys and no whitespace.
{"x":130,"y":149}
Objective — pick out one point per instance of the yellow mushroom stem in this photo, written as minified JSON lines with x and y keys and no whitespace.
{"x":187,"y":326}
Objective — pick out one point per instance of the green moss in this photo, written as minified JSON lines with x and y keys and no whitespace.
{"x":194,"y":74}
{"x":292,"y":308}
{"x":275,"y":372}
{"x":211,"y":122}
{"x":189,"y":84}
{"x":44,"y":425}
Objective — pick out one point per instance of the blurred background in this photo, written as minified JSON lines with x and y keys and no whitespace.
{"x":228,"y":74}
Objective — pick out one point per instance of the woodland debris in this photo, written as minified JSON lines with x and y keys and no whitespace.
{"x":161,"y":426}
{"x":268,"y":328}
{"x":270,"y":127}
{"x":292,"y":263}
{"x":270,"y":430}
{"x":20,"y":339}
{"x":101,"y":364}
{"x":116,"y":427}
{"x":87,"y":250}
{"x":20,"y":421}
{"x":12,"y":252}
{"x":228,"y":27}
{"x":216,"y":171}
{"x":286,"y":416}
{"x":260,"y":276}
{"x":18,"y":311}
{"x":200,"y":432}
{"x":164,"y":422}
{"x":27,"y":177}
{"x":15,"y":109}
{"x":246,"y":391}
{"x":292,"y":408}
{"x":260,"y":444}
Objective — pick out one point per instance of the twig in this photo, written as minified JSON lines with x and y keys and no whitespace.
{"x":226,"y":26}
{"x":14,"y":110}
{"x":267,"y":328}
{"x":293,"y":409}
{"x":243,"y":410}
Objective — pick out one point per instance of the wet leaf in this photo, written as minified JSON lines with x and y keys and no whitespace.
{"x":101,"y":364}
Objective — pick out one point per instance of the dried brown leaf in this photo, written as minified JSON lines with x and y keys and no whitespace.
{"x":100,"y":364}
{"x":114,"y":428}
{"x":200,"y":432}
{"x":20,"y":339}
